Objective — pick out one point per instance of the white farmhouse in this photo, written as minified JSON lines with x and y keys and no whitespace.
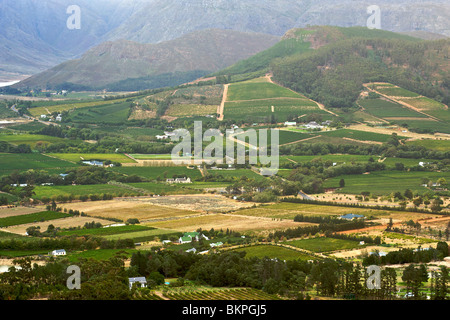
{"x":59,"y":252}
{"x":139,"y":281}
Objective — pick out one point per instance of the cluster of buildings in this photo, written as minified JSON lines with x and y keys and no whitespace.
{"x":179,"y":180}
{"x":311,"y":125}
{"x":58,"y":118}
{"x":165,"y":136}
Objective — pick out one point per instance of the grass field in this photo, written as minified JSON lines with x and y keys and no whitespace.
{"x":285,"y":136}
{"x":261,"y":110}
{"x":99,"y":254}
{"x":439,"y":145}
{"x":105,"y":231}
{"x":79,"y":190}
{"x":324,"y":244}
{"x":147,"y":235}
{"x":251,"y":90}
{"x":237,"y":174}
{"x":357,"y":135}
{"x":151,"y":156}
{"x":64,"y":106}
{"x":273,"y":252}
{"x":335,"y":158}
{"x":189,"y":110}
{"x":383,"y":108}
{"x":396,"y":92}
{"x":114,"y":112}
{"x":33,"y":217}
{"x":24,"y":162}
{"x":29,"y":139}
{"x":385,"y":182}
{"x":163,"y":173}
{"x":76,"y":157}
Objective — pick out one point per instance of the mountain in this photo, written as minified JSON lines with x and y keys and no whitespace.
{"x":331,"y":64}
{"x":35,"y":37}
{"x":334,"y":73}
{"x":114,"y":61}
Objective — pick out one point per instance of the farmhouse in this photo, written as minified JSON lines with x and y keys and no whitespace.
{"x":313,"y":125}
{"x":217,"y":244}
{"x":179,"y":180}
{"x":59,"y":252}
{"x":290,"y":123}
{"x":94,"y":163}
{"x":139,"y":281}
{"x":188,"y":237}
{"x":166,"y":135}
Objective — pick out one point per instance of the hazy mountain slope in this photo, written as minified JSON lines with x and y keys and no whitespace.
{"x":34,"y":34}
{"x":207,"y":50}
{"x":166,"y":19}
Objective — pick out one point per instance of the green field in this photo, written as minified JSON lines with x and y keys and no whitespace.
{"x":99,"y":254}
{"x":114,"y":112}
{"x":385,"y":182}
{"x":146,"y":235}
{"x":285,"y":136}
{"x":357,"y":135}
{"x":64,"y":106}
{"x":383,"y":109}
{"x":164,"y":189}
{"x":438,"y":145}
{"x":29,"y":139}
{"x":334,"y":158}
{"x":270,"y":251}
{"x":106,"y":231}
{"x":323,"y":244}
{"x":261,"y":110}
{"x":81,"y":190}
{"x":237,"y":174}
{"x":396,"y":92}
{"x":33,"y":217}
{"x":76,"y":157}
{"x":27,"y":161}
{"x":153,"y":173}
{"x":429,"y":126}
{"x":151,"y":156}
{"x":251,"y":90}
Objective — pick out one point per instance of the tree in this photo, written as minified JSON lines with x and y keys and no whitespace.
{"x":436,"y":205}
{"x":341,"y":183}
{"x":408,"y":194}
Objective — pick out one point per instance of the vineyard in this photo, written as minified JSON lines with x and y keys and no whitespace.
{"x":208,"y":294}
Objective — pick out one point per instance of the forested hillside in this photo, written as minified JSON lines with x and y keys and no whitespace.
{"x":334,"y":74}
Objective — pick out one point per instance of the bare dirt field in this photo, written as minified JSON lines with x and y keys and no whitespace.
{"x":58,"y":223}
{"x":125,"y":209}
{"x":201,"y":203}
{"x":232,"y":222}
{"x":397,"y":130}
{"x":17,"y":211}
